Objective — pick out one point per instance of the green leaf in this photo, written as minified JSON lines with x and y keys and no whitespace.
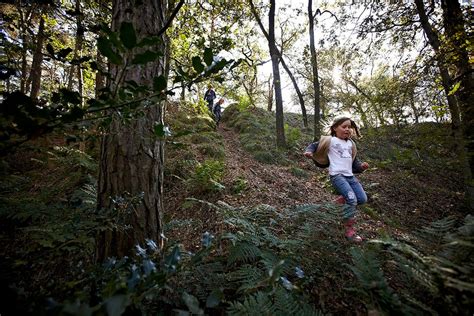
{"x":159,"y":83}
{"x":113,"y":38}
{"x":149,"y":41}
{"x":145,"y":57}
{"x":218,"y":66}
{"x":116,"y":305}
{"x":208,"y":56}
{"x":455,"y":88}
{"x":50,"y":49}
{"x":173,"y":259}
{"x":105,"y":48}
{"x":192,"y":303}
{"x":161,"y":130}
{"x":197,"y":64}
{"x":127,"y":35}
{"x":214,"y":299}
{"x":70,"y":96}
{"x":64,"y":52}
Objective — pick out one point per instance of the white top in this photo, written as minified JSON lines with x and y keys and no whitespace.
{"x":340,"y":157}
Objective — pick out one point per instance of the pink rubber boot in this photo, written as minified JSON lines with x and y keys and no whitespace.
{"x":350,"y":232}
{"x":340,"y":200}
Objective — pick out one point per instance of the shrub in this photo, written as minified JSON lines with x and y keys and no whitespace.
{"x":207,"y":177}
{"x":239,"y":185}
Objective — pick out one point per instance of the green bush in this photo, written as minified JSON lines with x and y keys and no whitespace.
{"x":239,"y":185}
{"x":207,"y":177}
{"x":293,"y":136}
{"x":213,"y":150}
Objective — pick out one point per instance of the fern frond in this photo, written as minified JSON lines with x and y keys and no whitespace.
{"x":368,"y":271}
{"x":270,"y":260}
{"x":247,"y":277}
{"x":257,"y":304}
{"x":417,"y":271}
{"x":287,"y":303}
{"x":90,"y":192}
{"x":434,"y":234}
{"x":243,"y":252}
{"x":459,"y":246}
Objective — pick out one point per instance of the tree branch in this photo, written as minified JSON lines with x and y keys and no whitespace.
{"x":171,"y":18}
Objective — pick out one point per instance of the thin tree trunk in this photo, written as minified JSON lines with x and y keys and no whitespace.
{"x":314,"y":66}
{"x":287,"y":69}
{"x":99,"y":77}
{"x":77,"y":49}
{"x":35,"y":74}
{"x":297,"y":88}
{"x":22,"y":26}
{"x":280,"y":127}
{"x":132,"y":159}
{"x":270,"y":94}
{"x":275,"y":57}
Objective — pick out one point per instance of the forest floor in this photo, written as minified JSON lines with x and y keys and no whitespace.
{"x":404,"y":196}
{"x":270,"y":184}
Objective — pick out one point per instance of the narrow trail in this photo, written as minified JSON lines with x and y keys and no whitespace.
{"x":266,"y":184}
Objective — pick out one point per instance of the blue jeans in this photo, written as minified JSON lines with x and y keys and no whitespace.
{"x":353,"y":193}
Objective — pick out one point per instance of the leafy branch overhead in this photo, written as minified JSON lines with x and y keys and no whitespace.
{"x":26,"y":118}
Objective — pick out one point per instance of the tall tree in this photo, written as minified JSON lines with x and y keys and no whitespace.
{"x":131,"y":159}
{"x":285,"y":66}
{"x":36,"y":65}
{"x":76,"y":67}
{"x":314,"y":66}
{"x":455,"y":52}
{"x":433,"y":39}
{"x":275,"y":57}
{"x":461,"y":46}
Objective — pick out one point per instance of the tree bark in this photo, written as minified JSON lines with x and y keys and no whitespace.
{"x":445,"y":77}
{"x":99,"y":76}
{"x":132,"y":159}
{"x":280,"y":127}
{"x":314,"y":66}
{"x":275,"y":57}
{"x":456,"y":35}
{"x":77,"y":49}
{"x":287,"y":69}
{"x":35,"y":74}
{"x":270,"y":95}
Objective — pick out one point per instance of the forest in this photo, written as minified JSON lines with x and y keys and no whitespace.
{"x":124,"y":192}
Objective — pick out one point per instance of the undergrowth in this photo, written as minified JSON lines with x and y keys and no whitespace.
{"x":262,"y":261}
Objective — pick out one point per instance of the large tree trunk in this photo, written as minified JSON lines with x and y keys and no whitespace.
{"x":131,"y":161}
{"x":445,"y":77}
{"x":454,"y":26}
{"x":280,"y":127}
{"x":314,"y":66}
{"x":36,"y":65}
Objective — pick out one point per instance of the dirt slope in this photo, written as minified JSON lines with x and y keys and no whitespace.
{"x":274,"y":185}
